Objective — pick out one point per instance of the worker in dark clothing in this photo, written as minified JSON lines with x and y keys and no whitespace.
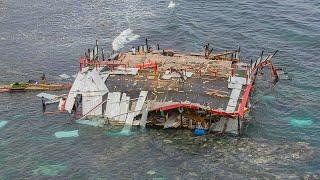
{"x":206,"y":50}
{"x":43,"y":104}
{"x":43,"y":79}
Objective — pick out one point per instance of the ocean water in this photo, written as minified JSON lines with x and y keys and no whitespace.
{"x":280,"y":141}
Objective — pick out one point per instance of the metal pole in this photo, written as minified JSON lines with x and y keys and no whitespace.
{"x":147,"y":44}
{"x":239,"y":128}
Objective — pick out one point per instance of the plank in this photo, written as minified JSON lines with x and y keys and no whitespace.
{"x":144,"y":117}
{"x":140,"y":102}
{"x":234,"y":86}
{"x":235,"y":94}
{"x":124,"y":107}
{"x":238,"y":80}
{"x":115,"y":106}
{"x":113,"y":103}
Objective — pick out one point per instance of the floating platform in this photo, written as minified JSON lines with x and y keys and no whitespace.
{"x":35,"y":87}
{"x":166,"y":88}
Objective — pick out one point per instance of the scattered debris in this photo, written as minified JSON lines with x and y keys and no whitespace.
{"x":206,"y":92}
{"x":301,"y":122}
{"x":66,"y":134}
{"x":3,"y":123}
{"x":64,"y":76}
{"x":151,"y":172}
{"x":96,"y":123}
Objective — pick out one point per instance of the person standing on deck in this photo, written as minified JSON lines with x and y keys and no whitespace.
{"x":133,"y":50}
{"x":206,"y":50}
{"x":43,"y":79}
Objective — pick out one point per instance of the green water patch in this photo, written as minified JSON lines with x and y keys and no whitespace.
{"x":268,"y":98}
{"x":96,"y":123}
{"x":301,"y":122}
{"x":17,"y":117}
{"x":50,"y":170}
{"x":66,"y":134}
{"x":125,"y":131}
{"x":3,"y":123}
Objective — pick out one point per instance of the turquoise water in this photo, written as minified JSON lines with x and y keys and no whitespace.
{"x":280,"y":141}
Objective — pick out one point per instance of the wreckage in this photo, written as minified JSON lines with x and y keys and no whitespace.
{"x":165,"y":88}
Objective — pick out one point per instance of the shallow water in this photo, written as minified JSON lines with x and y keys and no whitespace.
{"x":49,"y":36}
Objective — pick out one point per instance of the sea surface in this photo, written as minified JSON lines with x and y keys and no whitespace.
{"x":43,"y":36}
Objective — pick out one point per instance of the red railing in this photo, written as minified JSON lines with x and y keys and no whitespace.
{"x":97,"y":64}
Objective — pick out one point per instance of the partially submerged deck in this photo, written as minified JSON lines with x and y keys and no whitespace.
{"x":167,"y":88}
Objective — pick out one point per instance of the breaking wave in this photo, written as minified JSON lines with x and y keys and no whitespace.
{"x":123,"y":38}
{"x":172,"y":4}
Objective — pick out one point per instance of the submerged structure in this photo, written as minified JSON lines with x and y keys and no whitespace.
{"x":161,"y":87}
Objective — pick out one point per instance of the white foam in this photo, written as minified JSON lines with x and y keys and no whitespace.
{"x":172,"y":4}
{"x":124,"y":37}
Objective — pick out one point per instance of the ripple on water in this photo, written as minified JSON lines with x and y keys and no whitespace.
{"x":298,"y":123}
{"x":50,"y":170}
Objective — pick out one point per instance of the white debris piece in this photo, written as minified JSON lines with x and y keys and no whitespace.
{"x":237,"y":80}
{"x":64,"y":76}
{"x":89,"y":84}
{"x":144,"y":117}
{"x":47,"y":96}
{"x":137,"y":109}
{"x":124,"y":107}
{"x":115,"y":105}
{"x":140,"y":102}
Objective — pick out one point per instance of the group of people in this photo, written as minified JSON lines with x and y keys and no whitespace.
{"x":134,"y":51}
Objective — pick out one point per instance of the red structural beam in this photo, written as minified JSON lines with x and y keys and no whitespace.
{"x":244,"y":101}
{"x":193,"y":106}
{"x":111,"y":64}
{"x":153,"y":65}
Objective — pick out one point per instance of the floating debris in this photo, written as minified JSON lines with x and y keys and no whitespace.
{"x":151,"y":172}
{"x":301,"y":122}
{"x":96,"y":123}
{"x":172,"y":4}
{"x":3,"y":123}
{"x":176,"y":90}
{"x":66,"y":134}
{"x":64,"y":76}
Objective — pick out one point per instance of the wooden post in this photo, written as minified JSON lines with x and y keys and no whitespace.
{"x":147,"y":45}
{"x":102,"y":51}
{"x":239,"y":128}
{"x":97,"y":46}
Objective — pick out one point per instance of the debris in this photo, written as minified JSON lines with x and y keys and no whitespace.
{"x":172,"y":78}
{"x":52,"y":98}
{"x":64,"y":76}
{"x":3,"y":123}
{"x":199,"y":132}
{"x":66,"y":134}
{"x":151,"y":172}
{"x":301,"y":122}
{"x":172,"y":121}
{"x":96,"y":123}
{"x":167,"y":141}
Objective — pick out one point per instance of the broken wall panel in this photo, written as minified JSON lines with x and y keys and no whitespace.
{"x":91,"y":105}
